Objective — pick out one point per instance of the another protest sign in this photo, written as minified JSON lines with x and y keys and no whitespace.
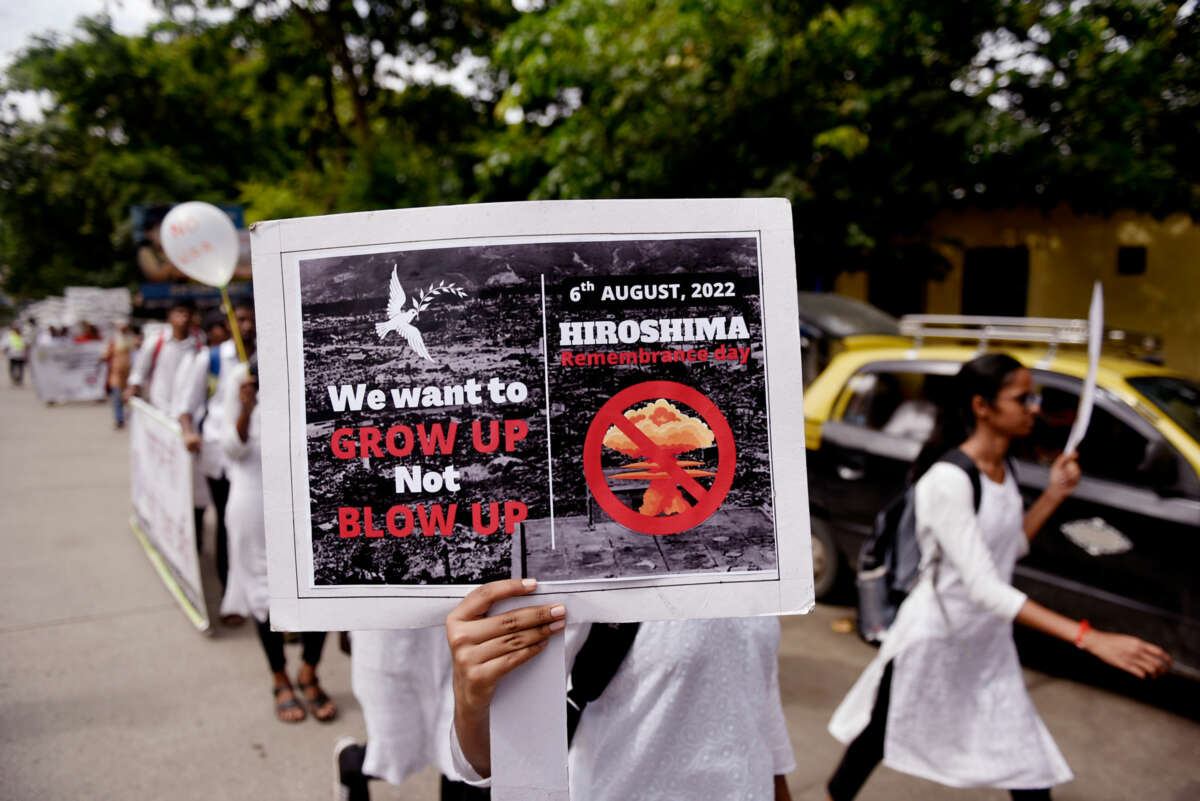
{"x":161,"y":483}
{"x":605,"y":396}
{"x":100,"y":307}
{"x":69,"y":371}
{"x":1087,"y":399}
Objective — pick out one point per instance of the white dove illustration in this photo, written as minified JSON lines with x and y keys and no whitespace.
{"x":400,"y":319}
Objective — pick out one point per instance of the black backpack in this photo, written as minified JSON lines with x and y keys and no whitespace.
{"x":889,"y":561}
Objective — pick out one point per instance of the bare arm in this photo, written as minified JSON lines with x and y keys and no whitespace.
{"x":191,"y":383}
{"x":248,"y":394}
{"x":1064,"y":477}
{"x":484,"y":649}
{"x":191,"y":437}
{"x":1123,"y":651}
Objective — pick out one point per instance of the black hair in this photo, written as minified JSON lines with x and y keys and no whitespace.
{"x":244,"y":303}
{"x":182,"y":303}
{"x":984,"y":376}
{"x":215,"y":317}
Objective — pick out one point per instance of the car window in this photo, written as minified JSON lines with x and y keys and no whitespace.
{"x":1111,"y":449}
{"x":896,"y":403}
{"x":1178,"y":398}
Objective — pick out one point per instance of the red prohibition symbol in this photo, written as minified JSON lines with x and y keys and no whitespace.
{"x":705,"y":501}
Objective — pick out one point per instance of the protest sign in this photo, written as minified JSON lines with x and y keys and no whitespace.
{"x":100,"y":307}
{"x":161,"y":484}
{"x":49,"y":311}
{"x":1087,"y":399}
{"x":603,"y":395}
{"x":69,"y":371}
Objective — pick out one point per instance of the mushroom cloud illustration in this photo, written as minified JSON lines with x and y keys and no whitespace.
{"x":674,"y":433}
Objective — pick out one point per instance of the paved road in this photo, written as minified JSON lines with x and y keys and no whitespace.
{"x":106,"y":691}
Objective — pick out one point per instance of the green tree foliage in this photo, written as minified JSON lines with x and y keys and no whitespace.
{"x":124,"y":129}
{"x":870,"y":117}
{"x":394,"y":144}
{"x":1096,"y":105}
{"x":248,"y":111}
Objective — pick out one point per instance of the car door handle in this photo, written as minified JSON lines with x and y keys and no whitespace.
{"x":1096,"y":537}
{"x":847,"y":473}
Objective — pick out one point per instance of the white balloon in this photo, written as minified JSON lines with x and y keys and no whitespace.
{"x":201,"y":240}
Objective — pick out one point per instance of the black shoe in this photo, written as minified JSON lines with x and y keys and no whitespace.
{"x":349,"y":783}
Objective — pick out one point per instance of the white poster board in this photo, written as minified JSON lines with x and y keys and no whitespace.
{"x":1087,"y":399}
{"x":162,"y":519}
{"x":100,"y":307}
{"x":69,"y":371}
{"x":603,"y":395}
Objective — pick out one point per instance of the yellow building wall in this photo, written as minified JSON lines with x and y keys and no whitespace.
{"x":1067,"y":253}
{"x":852,"y":285}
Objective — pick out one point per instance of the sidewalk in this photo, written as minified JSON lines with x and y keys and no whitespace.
{"x":106,"y":689}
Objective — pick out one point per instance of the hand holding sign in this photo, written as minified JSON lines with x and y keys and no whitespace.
{"x":202,"y":241}
{"x":486,"y":648}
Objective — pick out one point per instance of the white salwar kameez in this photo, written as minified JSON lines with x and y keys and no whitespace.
{"x":959,"y":713}
{"x":401,"y":680}
{"x":692,"y":714}
{"x":246,"y":591}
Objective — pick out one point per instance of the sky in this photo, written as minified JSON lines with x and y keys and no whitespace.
{"x":20,"y":19}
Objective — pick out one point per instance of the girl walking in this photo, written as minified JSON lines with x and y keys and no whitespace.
{"x":246,"y":590}
{"x":944,"y":698}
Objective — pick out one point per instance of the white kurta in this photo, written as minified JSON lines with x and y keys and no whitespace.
{"x":959,"y":713}
{"x":246,"y":591}
{"x":156,"y":374}
{"x":193,"y":398}
{"x":181,"y":401}
{"x":692,"y":714}
{"x":401,"y":680}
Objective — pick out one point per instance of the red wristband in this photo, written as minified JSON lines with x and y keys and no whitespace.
{"x":1084,"y":628}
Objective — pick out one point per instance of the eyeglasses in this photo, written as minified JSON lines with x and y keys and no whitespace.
{"x":1030,"y":400}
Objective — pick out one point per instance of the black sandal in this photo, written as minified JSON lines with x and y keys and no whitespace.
{"x":288,"y":705}
{"x":317,"y":700}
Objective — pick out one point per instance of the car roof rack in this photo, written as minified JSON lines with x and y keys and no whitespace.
{"x":1051,"y":331}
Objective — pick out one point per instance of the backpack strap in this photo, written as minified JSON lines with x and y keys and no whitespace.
{"x":214,"y":361}
{"x":960,"y":460}
{"x":154,"y":359}
{"x":595,"y":665}
{"x":956,"y":457}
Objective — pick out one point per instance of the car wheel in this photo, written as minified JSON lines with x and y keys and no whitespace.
{"x":827,"y":562}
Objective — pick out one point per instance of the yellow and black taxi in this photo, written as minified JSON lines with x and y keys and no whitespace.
{"x":1123,"y":551}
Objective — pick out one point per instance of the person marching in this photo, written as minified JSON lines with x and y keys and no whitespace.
{"x":401,"y":680}
{"x":246,"y":591}
{"x":119,"y":355}
{"x":153,"y":374}
{"x":198,"y":409}
{"x":944,"y":698}
{"x":691,"y":713}
{"x":14,"y":347}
